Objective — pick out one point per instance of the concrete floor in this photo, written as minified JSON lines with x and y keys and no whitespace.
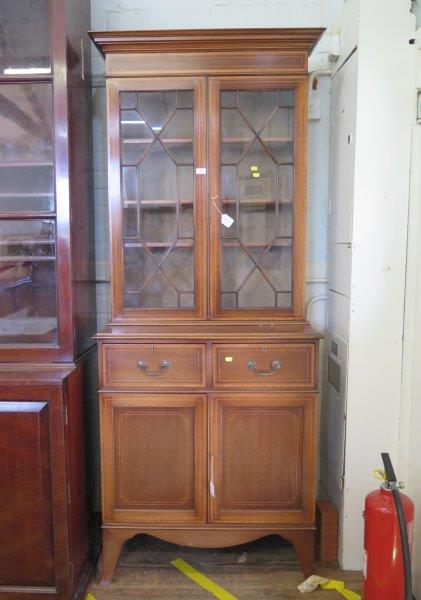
{"x":270,"y":571}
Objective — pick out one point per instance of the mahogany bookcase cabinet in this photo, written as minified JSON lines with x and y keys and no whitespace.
{"x":46,"y":296}
{"x":208,"y":370}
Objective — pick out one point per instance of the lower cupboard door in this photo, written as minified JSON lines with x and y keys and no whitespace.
{"x":153,"y":458}
{"x":27,"y":561}
{"x":262,"y":458}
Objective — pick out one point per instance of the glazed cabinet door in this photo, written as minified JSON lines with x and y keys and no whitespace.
{"x":27,"y":562}
{"x":153,"y":458}
{"x":157,"y":186}
{"x":257,"y":178}
{"x":28,"y":281}
{"x":262,"y":458}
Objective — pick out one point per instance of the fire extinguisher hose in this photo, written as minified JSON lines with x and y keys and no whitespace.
{"x":393,"y":485}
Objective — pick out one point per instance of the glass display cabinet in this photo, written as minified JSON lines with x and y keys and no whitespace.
{"x":45,"y":219}
{"x":207,"y":141}
{"x":46,"y":293}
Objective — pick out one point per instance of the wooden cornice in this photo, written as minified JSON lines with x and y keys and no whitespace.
{"x":206,"y":40}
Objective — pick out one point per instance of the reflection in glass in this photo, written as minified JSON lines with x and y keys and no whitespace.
{"x":26,"y":150}
{"x":257,"y":175}
{"x":28,"y":311}
{"x":25,"y":37}
{"x":157,"y":196}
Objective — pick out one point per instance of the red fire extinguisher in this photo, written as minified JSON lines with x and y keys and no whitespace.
{"x":389,"y":518}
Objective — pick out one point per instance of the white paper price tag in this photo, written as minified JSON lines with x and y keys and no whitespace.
{"x":201,"y":171}
{"x":226,"y":220}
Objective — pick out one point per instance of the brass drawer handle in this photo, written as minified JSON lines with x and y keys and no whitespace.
{"x":164,"y":364}
{"x":274,"y":366}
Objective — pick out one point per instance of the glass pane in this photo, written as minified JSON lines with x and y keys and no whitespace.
{"x":28,"y":311}
{"x":156,"y":108}
{"x":26,"y":148}
{"x":158,"y":175}
{"x":177,"y":137}
{"x":158,"y":225}
{"x":278,"y":135}
{"x":185,"y":99}
{"x":25,"y":37}
{"x":257,"y":107}
{"x":236,"y":136}
{"x":179,"y":268}
{"x":158,"y":199}
{"x":257,"y":174}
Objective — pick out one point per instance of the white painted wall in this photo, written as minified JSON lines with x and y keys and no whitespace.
{"x":370,"y":278}
{"x":382,"y":162}
{"x":410,"y":438}
{"x":132,"y":14}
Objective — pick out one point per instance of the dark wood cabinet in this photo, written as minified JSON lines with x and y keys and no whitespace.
{"x":26,"y":494}
{"x":43,"y":532}
{"x":46,"y":254}
{"x":208,"y":370}
{"x":47,"y":308}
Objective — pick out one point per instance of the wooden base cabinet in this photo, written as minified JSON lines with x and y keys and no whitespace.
{"x":207,"y":467}
{"x":208,"y":369}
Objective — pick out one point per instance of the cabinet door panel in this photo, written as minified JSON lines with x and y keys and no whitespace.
{"x":26,"y":495}
{"x":153,"y":452}
{"x":156,"y":198}
{"x":257,"y":154}
{"x":262,"y":458}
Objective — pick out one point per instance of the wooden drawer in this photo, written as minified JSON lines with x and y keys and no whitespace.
{"x":254,"y":366}
{"x":149,"y":366}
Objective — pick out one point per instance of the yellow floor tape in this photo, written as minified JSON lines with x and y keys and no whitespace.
{"x":339,"y":586}
{"x":218,"y":592}
{"x":204,"y":582}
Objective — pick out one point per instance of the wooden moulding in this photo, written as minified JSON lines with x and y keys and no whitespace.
{"x":206,"y":63}
{"x":206,"y":51}
{"x":206,"y":40}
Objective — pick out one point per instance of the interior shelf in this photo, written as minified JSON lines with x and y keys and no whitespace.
{"x":156,"y":203}
{"x":249,"y":140}
{"x":32,"y":195}
{"x":163,"y":140}
{"x":178,"y":244}
{"x":26,"y":164}
{"x":18,"y":259}
{"x":243,"y":201}
{"x":228,"y":242}
{"x":225,"y":242}
{"x":236,"y":140}
{"x":18,"y":242}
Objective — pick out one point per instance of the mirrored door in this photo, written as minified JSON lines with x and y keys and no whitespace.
{"x":158,"y":196}
{"x":257,"y":170}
